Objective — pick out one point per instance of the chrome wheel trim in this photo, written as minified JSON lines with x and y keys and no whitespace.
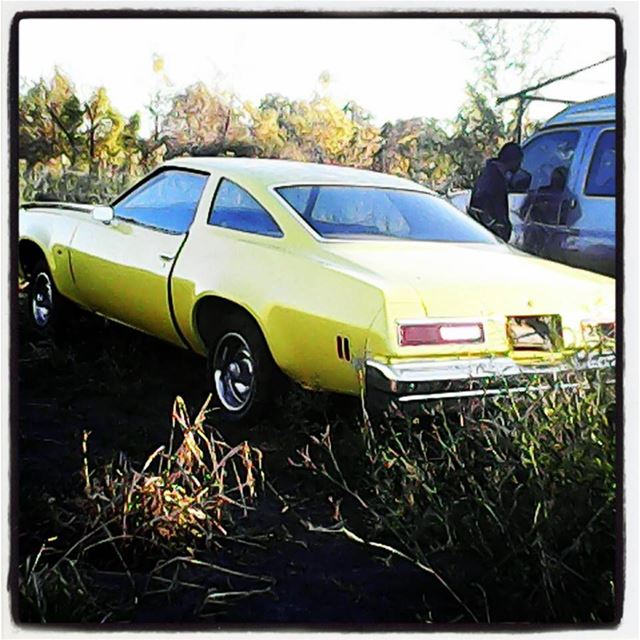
{"x":42,"y":299}
{"x":233,"y":372}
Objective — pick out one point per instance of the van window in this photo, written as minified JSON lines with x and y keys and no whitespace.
{"x":601,"y":180}
{"x":549,"y":155}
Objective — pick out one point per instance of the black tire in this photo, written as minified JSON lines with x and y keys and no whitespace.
{"x":46,"y":308}
{"x":241,"y":373}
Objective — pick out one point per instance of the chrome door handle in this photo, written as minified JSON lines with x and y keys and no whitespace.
{"x":166,"y":258}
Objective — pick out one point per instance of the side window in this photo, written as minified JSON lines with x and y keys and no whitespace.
{"x":548,"y":159}
{"x":167,"y":201}
{"x":234,"y":208}
{"x":601,"y":180}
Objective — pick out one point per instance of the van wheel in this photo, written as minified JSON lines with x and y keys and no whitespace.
{"x":242,"y":374}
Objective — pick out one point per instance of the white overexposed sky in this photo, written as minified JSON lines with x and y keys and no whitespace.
{"x":397,"y":68}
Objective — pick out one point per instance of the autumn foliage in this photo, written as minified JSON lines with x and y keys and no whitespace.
{"x":71,"y":149}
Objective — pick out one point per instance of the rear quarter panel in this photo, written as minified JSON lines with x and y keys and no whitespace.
{"x":301,"y":301}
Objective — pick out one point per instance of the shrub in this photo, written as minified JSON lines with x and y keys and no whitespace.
{"x":147,"y":532}
{"x":45,"y":184}
{"x":177,"y":495}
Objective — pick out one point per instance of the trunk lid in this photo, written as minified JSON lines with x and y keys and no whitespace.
{"x":455,"y":279}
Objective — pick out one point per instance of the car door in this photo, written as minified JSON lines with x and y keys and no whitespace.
{"x":541,"y":217}
{"x":122,"y":269}
{"x":593,"y":243}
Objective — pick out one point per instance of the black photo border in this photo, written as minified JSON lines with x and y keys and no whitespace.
{"x":144,"y":13}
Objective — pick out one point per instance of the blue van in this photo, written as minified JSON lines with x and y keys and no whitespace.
{"x":565,"y":208}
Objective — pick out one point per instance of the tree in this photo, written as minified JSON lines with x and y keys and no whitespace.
{"x":506,"y":62}
{"x":51,"y":118}
{"x":200,"y":122}
{"x":478,"y":132}
{"x":315,"y":130}
{"x":270,"y":127}
{"x":36,"y":130}
{"x":104,"y":131}
{"x":62,"y":138}
{"x":417,"y":149}
{"x":366,"y":138}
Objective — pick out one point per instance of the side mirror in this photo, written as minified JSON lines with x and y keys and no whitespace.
{"x":102,"y":213}
{"x":520,"y":181}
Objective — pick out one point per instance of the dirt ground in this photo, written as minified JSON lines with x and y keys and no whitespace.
{"x":120,"y":385}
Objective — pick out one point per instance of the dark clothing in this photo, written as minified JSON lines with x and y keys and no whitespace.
{"x":489,"y":203}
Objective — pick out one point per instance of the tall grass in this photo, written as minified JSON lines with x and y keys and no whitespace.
{"x":509,"y":501}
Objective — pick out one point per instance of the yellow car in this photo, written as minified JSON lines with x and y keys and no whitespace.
{"x":341,"y":279}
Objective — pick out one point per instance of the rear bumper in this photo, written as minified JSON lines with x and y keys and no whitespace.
{"x":427,"y":380}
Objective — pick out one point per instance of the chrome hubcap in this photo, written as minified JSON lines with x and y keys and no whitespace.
{"x":233,"y":368}
{"x":42,"y":300}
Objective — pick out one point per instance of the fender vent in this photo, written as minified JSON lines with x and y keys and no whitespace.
{"x":344,"y":350}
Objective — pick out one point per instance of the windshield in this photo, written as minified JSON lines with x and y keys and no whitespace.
{"x":372,"y":212}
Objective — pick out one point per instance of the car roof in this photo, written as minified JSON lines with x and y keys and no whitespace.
{"x":280,"y":172}
{"x":601,"y":109}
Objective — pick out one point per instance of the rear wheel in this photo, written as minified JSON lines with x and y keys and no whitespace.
{"x":242,"y":375}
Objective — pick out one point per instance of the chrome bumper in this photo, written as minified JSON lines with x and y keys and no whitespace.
{"x":441,"y":379}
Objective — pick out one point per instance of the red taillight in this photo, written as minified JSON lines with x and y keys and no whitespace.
{"x":440,"y":333}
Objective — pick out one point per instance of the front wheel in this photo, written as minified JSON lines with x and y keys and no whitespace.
{"x":241,"y":371}
{"x":46,"y":307}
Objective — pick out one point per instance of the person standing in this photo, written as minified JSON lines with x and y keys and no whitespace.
{"x":489,"y":202}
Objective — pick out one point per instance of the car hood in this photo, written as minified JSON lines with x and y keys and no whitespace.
{"x":468,"y":279}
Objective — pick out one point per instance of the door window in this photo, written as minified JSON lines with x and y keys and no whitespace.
{"x":548,"y":159}
{"x":168,"y":201}
{"x":234,"y":208}
{"x":601,"y":180}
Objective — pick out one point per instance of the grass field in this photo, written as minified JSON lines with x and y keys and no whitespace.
{"x":485,"y":513}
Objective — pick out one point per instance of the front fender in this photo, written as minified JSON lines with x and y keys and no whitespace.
{"x":52,"y":231}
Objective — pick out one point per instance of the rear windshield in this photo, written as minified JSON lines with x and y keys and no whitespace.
{"x":372,"y":212}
